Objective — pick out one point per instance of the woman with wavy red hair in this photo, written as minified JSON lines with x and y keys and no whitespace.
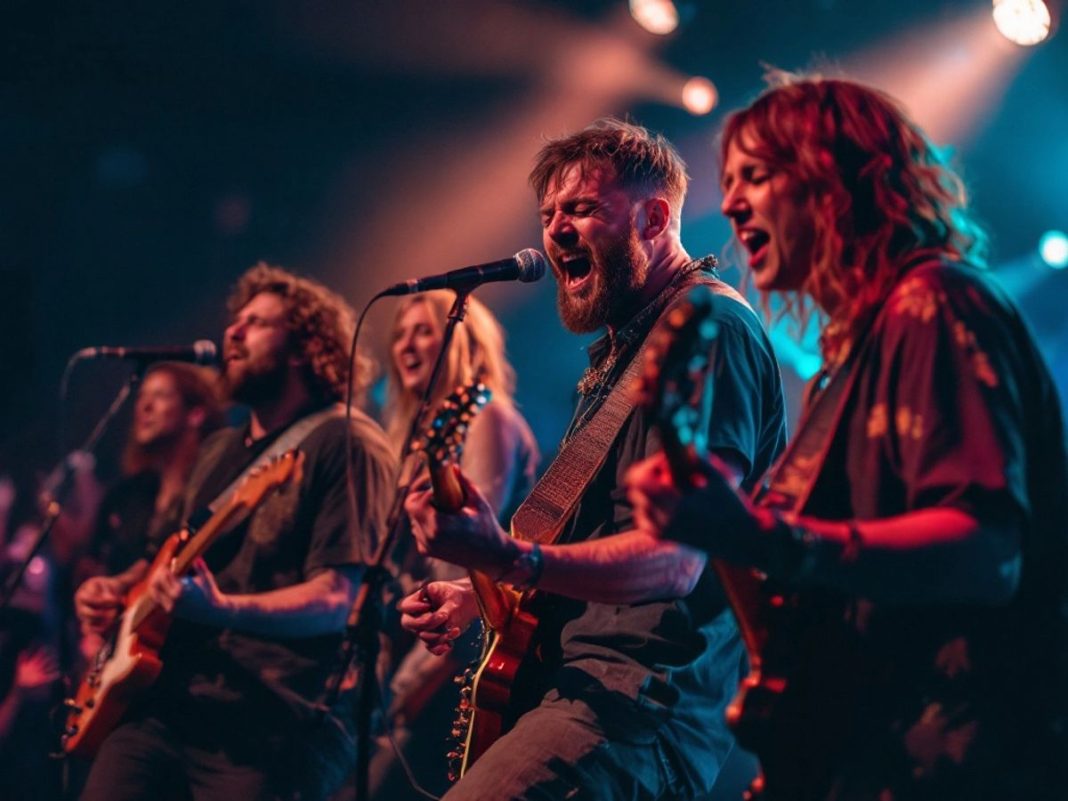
{"x":919,"y":514}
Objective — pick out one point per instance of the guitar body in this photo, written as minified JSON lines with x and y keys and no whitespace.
{"x":486,"y":710}
{"x":485,"y":700}
{"x":123,"y":668}
{"x":130,"y":662}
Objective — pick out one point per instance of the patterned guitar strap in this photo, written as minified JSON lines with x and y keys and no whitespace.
{"x":542,"y":516}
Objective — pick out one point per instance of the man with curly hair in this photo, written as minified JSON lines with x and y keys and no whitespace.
{"x":239,"y":710}
{"x":916,"y":534}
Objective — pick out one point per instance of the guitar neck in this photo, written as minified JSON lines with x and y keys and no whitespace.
{"x":195,"y":547}
{"x":449,"y":497}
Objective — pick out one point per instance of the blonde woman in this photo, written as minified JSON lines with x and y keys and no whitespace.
{"x":500,"y":456}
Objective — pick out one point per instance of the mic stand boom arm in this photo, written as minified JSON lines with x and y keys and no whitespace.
{"x":55,"y":503}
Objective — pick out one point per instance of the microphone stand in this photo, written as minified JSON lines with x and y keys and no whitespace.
{"x":361,"y":641}
{"x":55,"y":502}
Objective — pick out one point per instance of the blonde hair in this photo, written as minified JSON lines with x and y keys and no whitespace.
{"x":477,"y":349}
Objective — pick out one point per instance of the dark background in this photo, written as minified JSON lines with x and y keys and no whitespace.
{"x":151,"y":152}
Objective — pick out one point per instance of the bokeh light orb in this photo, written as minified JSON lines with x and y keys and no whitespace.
{"x":699,"y":95}
{"x":656,"y":16}
{"x":1024,"y":22}
{"x":1053,"y":248}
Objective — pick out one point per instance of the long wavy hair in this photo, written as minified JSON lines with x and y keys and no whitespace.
{"x":199,"y":388}
{"x":320,"y":325}
{"x":477,"y":349}
{"x":877,"y":191}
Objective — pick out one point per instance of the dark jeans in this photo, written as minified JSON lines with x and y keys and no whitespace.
{"x":144,"y":759}
{"x":555,"y":752}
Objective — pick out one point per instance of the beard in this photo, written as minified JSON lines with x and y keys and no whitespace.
{"x":254,"y":381}
{"x":619,"y":273}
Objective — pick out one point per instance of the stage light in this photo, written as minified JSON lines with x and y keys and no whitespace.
{"x":656,"y":16}
{"x":1053,"y":248}
{"x":699,"y":95}
{"x":1024,"y":22}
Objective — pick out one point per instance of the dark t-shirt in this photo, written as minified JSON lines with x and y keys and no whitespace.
{"x":953,"y":407}
{"x":254,"y":695}
{"x":667,"y":668}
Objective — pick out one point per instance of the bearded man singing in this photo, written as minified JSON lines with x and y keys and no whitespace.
{"x":635,"y":653}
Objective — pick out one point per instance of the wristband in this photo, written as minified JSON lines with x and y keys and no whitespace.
{"x":525,"y":570}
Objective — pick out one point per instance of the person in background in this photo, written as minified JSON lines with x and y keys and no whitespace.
{"x":500,"y":455}
{"x":242,"y":708}
{"x":176,"y":407}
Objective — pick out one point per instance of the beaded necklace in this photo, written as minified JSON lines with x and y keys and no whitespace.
{"x":594,"y":378}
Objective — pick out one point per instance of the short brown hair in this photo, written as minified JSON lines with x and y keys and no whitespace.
{"x":320,"y":325}
{"x":641,"y":161}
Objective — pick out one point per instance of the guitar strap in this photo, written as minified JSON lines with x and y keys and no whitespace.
{"x":792,"y":478}
{"x":541,"y":517}
{"x":286,"y":441}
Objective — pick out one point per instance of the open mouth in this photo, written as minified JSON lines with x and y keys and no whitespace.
{"x":576,"y":271}
{"x":756,"y":242}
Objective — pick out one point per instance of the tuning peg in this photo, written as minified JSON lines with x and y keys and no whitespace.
{"x":72,"y":705}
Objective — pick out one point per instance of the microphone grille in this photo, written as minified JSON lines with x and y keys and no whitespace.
{"x":205,"y":352}
{"x":531,"y":263}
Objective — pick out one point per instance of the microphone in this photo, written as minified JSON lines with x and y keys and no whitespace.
{"x":526,"y":266}
{"x":203,"y":351}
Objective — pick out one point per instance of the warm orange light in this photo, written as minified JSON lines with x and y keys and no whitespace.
{"x":699,"y":95}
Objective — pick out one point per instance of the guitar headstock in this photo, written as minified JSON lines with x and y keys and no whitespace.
{"x":675,"y":368}
{"x":274,"y":473}
{"x":443,"y":440}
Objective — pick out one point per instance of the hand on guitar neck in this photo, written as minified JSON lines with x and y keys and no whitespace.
{"x":707,"y":502}
{"x":469,"y":535}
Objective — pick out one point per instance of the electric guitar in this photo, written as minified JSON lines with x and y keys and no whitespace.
{"x":793,"y":708}
{"x":508,"y":627}
{"x":130,"y":661}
